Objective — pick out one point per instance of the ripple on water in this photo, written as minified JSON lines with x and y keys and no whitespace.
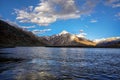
{"x":61,"y":64}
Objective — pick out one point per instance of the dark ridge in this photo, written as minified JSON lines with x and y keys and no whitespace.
{"x":11,"y":36}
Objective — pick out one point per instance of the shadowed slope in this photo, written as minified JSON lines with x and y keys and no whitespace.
{"x":14,"y":36}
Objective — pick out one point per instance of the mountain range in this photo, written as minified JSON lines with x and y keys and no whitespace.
{"x":66,"y":39}
{"x":109,"y":42}
{"x":12,"y":35}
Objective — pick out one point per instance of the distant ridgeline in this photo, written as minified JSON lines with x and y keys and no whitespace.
{"x":12,"y":35}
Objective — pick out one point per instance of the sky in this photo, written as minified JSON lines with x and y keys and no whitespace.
{"x":94,"y":19}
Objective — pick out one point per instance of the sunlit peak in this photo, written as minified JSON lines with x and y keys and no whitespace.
{"x":64,"y":32}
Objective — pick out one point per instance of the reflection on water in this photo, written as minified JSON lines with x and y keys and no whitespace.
{"x":40,"y":63}
{"x":33,"y":75}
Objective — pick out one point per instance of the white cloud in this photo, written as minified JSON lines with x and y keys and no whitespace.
{"x":93,"y":21}
{"x":82,"y":34}
{"x":16,"y":25}
{"x":27,"y":27}
{"x":116,"y":5}
{"x":37,"y":31}
{"x":113,"y":3}
{"x":86,"y":26}
{"x":49,"y":11}
{"x":118,"y":15}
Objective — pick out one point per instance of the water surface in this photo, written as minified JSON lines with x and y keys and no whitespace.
{"x":41,"y":63}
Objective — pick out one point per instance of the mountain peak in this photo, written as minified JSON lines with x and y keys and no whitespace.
{"x":63,"y":32}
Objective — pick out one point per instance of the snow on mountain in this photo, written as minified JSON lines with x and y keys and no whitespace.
{"x":80,"y":35}
{"x":63,"y":32}
{"x":106,"y":39}
{"x":67,"y":39}
{"x":109,"y":42}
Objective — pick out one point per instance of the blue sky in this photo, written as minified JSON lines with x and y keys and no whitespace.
{"x":96,"y":18}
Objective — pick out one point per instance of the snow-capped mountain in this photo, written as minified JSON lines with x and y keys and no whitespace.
{"x":67,"y":39}
{"x":63,"y":32}
{"x":106,"y":39}
{"x":108,"y":42}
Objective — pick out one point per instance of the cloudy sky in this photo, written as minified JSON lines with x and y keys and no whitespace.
{"x":95,"y":18}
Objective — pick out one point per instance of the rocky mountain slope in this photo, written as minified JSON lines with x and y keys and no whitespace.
{"x":66,"y":39}
{"x":14,"y":36}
